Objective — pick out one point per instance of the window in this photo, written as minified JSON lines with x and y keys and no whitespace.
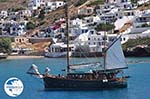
{"x":92,"y":32}
{"x":13,"y":29}
{"x":93,"y":49}
{"x":86,"y":31}
{"x":89,"y":11}
{"x":128,"y":13}
{"x":99,"y":43}
{"x":124,"y":39}
{"x":125,"y":6}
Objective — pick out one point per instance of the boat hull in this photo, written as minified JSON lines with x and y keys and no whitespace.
{"x":57,"y":54}
{"x":72,"y":84}
{"x":3,"y":56}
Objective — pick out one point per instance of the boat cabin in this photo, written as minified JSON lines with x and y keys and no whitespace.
{"x":97,"y":75}
{"x":60,"y":47}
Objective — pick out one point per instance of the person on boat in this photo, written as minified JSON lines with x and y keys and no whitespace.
{"x":47,"y":71}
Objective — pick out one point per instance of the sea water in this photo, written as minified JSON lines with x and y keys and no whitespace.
{"x":138,"y":83}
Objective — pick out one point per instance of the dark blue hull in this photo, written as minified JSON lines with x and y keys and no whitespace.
{"x":79,"y":84}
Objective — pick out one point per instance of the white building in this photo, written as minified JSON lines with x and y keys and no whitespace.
{"x":18,"y":28}
{"x":12,"y":15}
{"x":92,"y":39}
{"x":138,"y":21}
{"x":35,"y":4}
{"x":141,"y":23}
{"x":140,"y":2}
{"x":80,"y":26}
{"x":24,"y":13}
{"x":59,"y":50}
{"x":47,"y":4}
{"x":77,"y":27}
{"x":91,"y":20}
{"x":3,"y":14}
{"x":85,"y":10}
{"x":50,"y":6}
{"x":124,"y":4}
{"x":127,"y":16}
{"x":95,"y":40}
{"x":109,"y":13}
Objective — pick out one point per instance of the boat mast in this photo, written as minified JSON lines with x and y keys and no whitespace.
{"x":105,"y":47}
{"x":67,"y":33}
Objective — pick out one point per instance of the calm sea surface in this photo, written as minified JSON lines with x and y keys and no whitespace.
{"x":138,"y":84}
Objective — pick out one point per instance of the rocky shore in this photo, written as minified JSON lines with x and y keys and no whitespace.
{"x":138,"y":52}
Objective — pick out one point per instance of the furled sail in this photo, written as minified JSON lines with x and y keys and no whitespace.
{"x":114,"y":56}
{"x":33,"y":70}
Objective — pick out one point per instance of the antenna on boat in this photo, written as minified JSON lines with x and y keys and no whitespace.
{"x":67,"y":33}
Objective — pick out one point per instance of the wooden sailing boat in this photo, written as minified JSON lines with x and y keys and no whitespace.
{"x":105,"y":76}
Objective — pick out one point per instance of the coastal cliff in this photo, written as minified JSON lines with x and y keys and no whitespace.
{"x":139,"y":47}
{"x":138,"y":52}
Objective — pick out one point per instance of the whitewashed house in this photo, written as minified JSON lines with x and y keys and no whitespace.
{"x":24,"y":13}
{"x":92,"y":39}
{"x":4,"y":25}
{"x":109,"y":13}
{"x":139,"y":22}
{"x":77,"y":27}
{"x":127,"y":16}
{"x":12,"y":15}
{"x":85,"y":10}
{"x":35,"y":4}
{"x":124,"y":4}
{"x":18,"y":28}
{"x":80,"y":26}
{"x":3,"y":14}
{"x":95,"y":40}
{"x":91,"y":20}
{"x":53,"y":5}
{"x":140,"y":2}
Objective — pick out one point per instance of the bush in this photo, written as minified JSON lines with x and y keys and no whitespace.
{"x":30,"y":26}
{"x":104,"y":27}
{"x":145,"y":25}
{"x":5,"y":45}
{"x":97,"y":2}
{"x":80,"y":2}
{"x":134,"y":42}
{"x":3,"y":0}
{"x":134,"y":1}
{"x":42,"y":14}
{"x":17,"y":9}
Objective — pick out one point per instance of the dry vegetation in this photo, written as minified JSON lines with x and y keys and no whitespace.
{"x":9,"y":4}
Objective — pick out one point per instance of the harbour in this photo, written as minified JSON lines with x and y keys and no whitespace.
{"x":68,"y":49}
{"x":138,"y":83}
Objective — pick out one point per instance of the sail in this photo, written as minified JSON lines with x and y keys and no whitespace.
{"x":114,"y":56}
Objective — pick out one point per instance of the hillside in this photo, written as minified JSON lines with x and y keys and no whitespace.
{"x":9,"y":4}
